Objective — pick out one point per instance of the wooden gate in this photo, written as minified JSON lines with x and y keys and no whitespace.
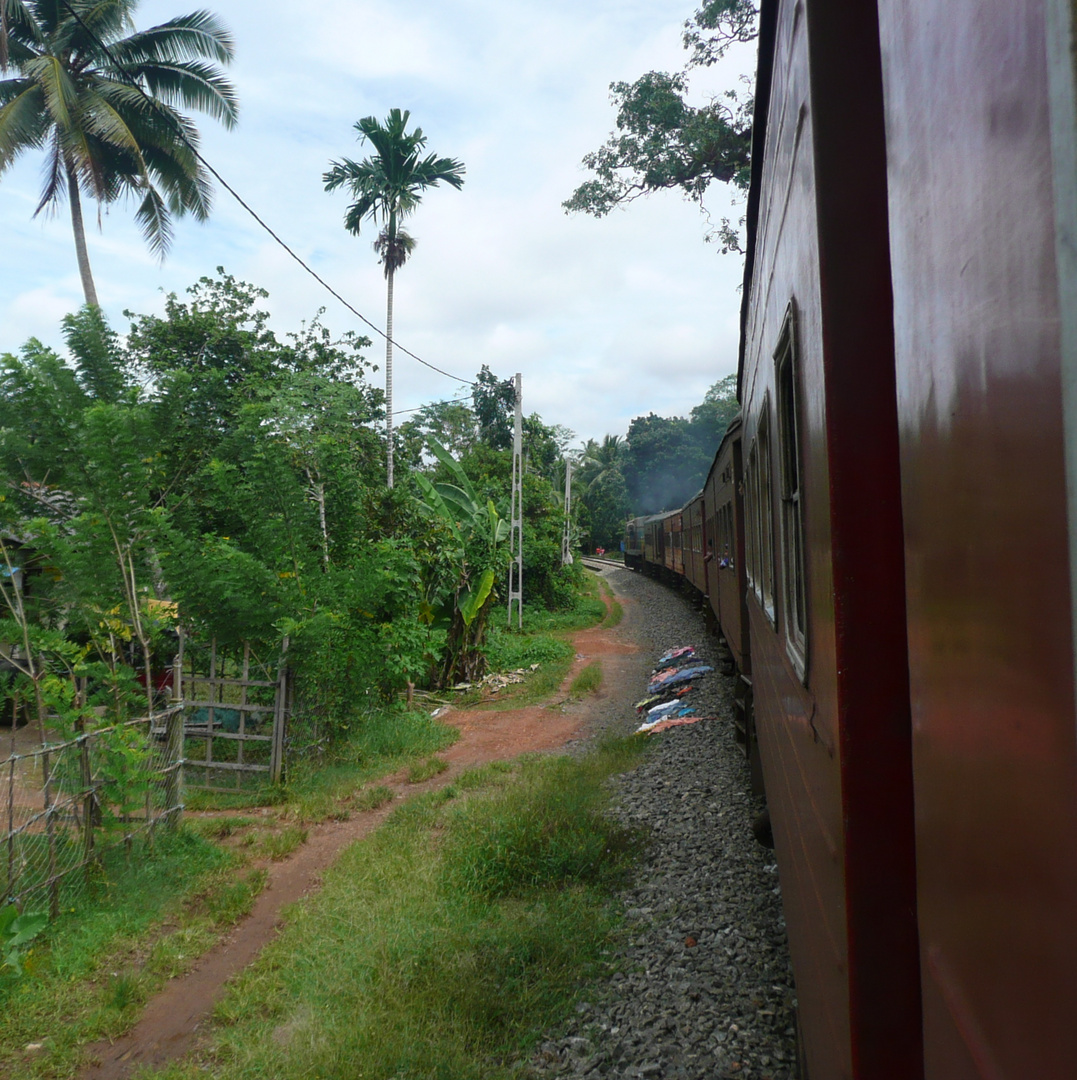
{"x":234,"y":718}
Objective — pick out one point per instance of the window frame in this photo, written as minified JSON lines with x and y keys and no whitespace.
{"x":794,"y":585}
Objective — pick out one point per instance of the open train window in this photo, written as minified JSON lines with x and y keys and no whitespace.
{"x":792,"y":517}
{"x":758,"y":499}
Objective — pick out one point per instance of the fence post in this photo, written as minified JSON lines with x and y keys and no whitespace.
{"x":87,"y":801}
{"x":174,"y":767}
{"x":50,"y":830}
{"x":280,"y":712}
{"x":11,"y":828}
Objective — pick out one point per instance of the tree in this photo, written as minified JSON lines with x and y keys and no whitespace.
{"x":716,"y":412}
{"x":102,"y":99}
{"x":661,"y":142}
{"x":388,"y":186}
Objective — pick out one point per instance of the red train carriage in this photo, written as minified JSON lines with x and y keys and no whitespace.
{"x":910,"y":407}
{"x":982,"y":173}
{"x":674,"y":554}
{"x":693,"y":549}
{"x":824,"y":555}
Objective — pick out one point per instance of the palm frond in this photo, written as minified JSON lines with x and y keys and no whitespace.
{"x":59,"y":90}
{"x":52,"y":187}
{"x":155,"y":222}
{"x":192,"y":84}
{"x":187,"y":37}
{"x":23,"y":123}
{"x":17,"y":28}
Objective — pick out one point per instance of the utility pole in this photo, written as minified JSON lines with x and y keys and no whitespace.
{"x":566,"y":539}
{"x":516,"y":515}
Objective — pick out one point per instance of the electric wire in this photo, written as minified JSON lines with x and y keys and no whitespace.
{"x":181,"y":134}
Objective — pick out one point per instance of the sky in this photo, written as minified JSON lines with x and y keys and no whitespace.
{"x":605,"y":319}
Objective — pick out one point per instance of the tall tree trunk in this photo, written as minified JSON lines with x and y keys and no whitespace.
{"x":389,"y":374}
{"x":80,"y":238}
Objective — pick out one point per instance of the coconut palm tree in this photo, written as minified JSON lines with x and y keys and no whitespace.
{"x":387,"y":187}
{"x":601,"y":460}
{"x":73,"y":94}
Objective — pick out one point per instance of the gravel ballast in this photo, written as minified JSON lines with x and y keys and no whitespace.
{"x":699,"y":982}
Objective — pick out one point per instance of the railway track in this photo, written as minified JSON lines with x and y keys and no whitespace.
{"x":597,"y":564}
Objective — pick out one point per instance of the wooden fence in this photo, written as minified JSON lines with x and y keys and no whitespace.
{"x":235,"y":712}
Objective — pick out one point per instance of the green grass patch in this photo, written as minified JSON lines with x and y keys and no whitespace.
{"x":443,"y":945}
{"x":426,"y":770}
{"x":588,"y":681}
{"x":380,"y":742}
{"x":615,"y":613}
{"x":372,"y":797}
{"x":92,"y":968}
{"x":279,"y":845}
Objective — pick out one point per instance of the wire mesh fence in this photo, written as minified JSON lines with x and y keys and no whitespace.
{"x":65,"y":804}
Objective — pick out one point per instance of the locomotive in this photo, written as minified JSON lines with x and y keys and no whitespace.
{"x":887,"y":538}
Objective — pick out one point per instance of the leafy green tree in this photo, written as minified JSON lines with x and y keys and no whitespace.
{"x":388,"y":187}
{"x":77,"y":66}
{"x":477,"y":532}
{"x":493,"y":401}
{"x":716,"y":412}
{"x":661,"y":142}
{"x":667,"y":458}
{"x":452,"y":423}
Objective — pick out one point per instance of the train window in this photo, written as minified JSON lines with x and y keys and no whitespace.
{"x":792,"y":524}
{"x":758,"y":497}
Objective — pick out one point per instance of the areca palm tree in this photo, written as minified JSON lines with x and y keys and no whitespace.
{"x":101,"y":99}
{"x":387,"y":187}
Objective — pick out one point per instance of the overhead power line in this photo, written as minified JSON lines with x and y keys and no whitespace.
{"x":246,"y":206}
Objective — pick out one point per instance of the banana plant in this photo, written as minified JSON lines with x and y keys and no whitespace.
{"x":478,"y":529}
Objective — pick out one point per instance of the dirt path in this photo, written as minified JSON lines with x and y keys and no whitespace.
{"x":172,"y":1021}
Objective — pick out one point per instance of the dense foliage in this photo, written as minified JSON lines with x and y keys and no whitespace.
{"x":659,"y":465}
{"x":204,"y":470}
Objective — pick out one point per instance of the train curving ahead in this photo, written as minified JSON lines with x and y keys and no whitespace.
{"x":888,"y":535}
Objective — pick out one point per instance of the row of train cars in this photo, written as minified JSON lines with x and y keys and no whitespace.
{"x":888,"y":535}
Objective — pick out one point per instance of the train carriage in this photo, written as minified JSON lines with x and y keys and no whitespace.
{"x":982,"y":185}
{"x":824,"y":557}
{"x":694,"y":553}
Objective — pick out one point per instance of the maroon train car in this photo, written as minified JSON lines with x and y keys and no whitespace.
{"x":980,"y":124}
{"x":909,"y":390}
{"x":727,"y":582}
{"x":724,"y":518}
{"x":824,"y":552}
{"x":694,"y":545}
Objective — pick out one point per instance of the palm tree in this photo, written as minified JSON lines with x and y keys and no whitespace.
{"x":600,"y":461}
{"x":77,"y":64}
{"x":388,"y":186}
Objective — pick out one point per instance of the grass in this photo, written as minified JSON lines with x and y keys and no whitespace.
{"x":444,"y":944}
{"x":615,"y":613}
{"x":372,"y":797}
{"x":426,"y":770}
{"x":588,"y":681}
{"x":92,"y":968}
{"x":544,"y":640}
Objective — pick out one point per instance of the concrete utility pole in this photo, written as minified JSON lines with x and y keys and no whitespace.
{"x":516,"y":515}
{"x":566,"y":539}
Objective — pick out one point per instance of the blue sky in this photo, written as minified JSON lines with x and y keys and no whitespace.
{"x":605,"y":319}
